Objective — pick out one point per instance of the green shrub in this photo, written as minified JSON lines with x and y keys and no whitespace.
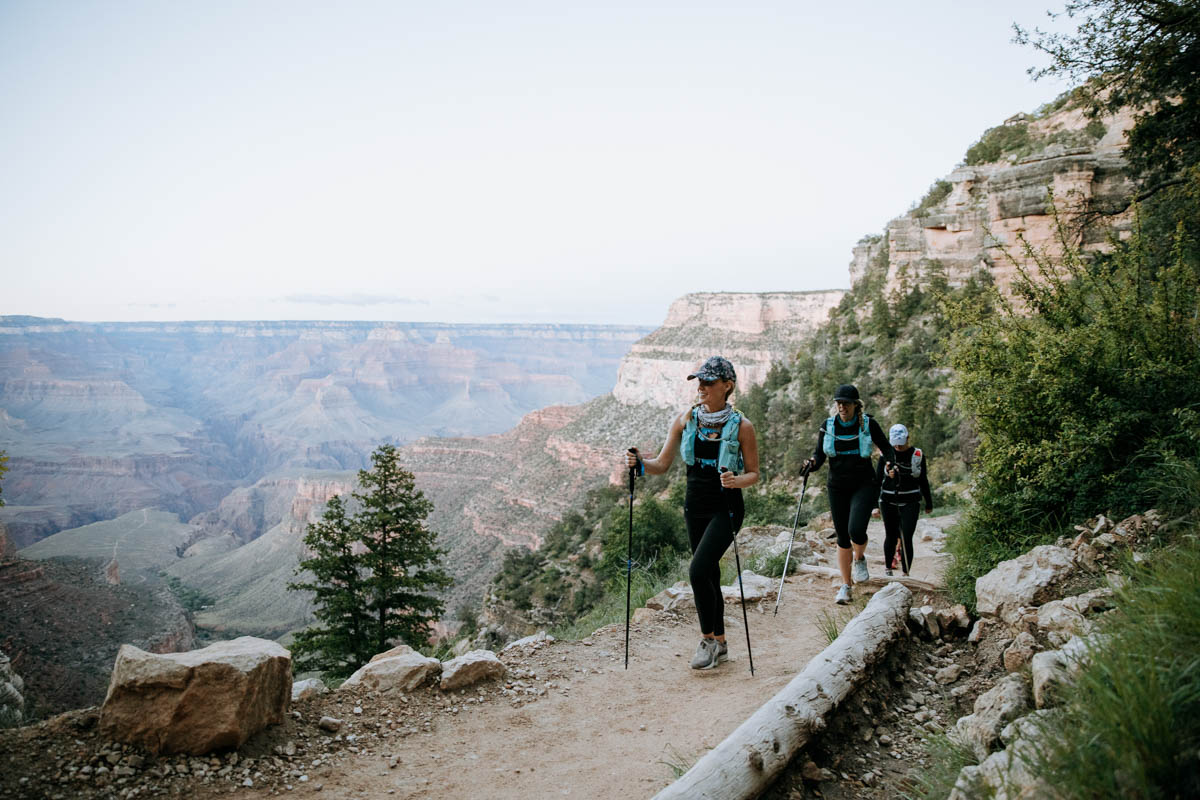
{"x":1084,"y":403}
{"x":1130,"y":724}
{"x":998,"y":142}
{"x":936,"y":194}
{"x":659,"y":538}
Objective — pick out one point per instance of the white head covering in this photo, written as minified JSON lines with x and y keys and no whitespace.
{"x":898,"y":435}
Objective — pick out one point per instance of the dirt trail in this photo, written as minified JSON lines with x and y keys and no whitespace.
{"x":599,"y":730}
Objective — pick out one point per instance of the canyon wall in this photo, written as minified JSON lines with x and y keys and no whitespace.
{"x":751,"y":330}
{"x":103,"y":419}
{"x":991,"y":211}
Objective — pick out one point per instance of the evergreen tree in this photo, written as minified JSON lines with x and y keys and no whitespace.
{"x":372,"y":571}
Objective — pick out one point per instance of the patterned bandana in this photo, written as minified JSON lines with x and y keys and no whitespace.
{"x":714,"y":419}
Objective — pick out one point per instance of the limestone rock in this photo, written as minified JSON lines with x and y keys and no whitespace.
{"x":979,"y":630}
{"x":302,"y":690}
{"x":757,"y":587}
{"x":676,"y":597}
{"x":398,"y":650}
{"x":994,"y":709}
{"x":534,"y":641}
{"x":1030,"y":579}
{"x":1059,"y":621}
{"x":948,"y":675}
{"x":475,"y":666}
{"x":199,"y":701}
{"x":403,"y":673}
{"x":1020,"y":652}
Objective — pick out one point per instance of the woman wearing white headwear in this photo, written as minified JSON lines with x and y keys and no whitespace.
{"x":903,"y":482}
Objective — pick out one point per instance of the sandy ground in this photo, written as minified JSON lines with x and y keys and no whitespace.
{"x":601,"y":730}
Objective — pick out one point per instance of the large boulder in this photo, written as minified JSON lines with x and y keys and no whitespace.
{"x":473,"y":667}
{"x":199,"y":701}
{"x":1028,"y":580}
{"x":403,"y":672}
{"x":994,"y":709}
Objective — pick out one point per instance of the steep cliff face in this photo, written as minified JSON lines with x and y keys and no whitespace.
{"x":990,"y":209}
{"x":749,"y":329}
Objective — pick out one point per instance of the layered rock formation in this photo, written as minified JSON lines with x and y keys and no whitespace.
{"x":103,"y":419}
{"x":990,"y":210}
{"x":751,"y":330}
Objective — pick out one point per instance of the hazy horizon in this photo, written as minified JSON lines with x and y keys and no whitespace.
{"x":543,"y":163}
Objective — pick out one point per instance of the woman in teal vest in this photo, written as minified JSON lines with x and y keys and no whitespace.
{"x":721,"y":452}
{"x":845,"y":439}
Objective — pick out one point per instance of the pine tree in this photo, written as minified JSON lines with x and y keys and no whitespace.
{"x":371,"y":571}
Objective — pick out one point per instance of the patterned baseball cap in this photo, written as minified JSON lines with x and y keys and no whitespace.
{"x":898,"y":434}
{"x":715,"y":369}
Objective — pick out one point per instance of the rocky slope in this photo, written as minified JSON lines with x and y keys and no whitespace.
{"x":987,"y":210}
{"x":63,"y":622}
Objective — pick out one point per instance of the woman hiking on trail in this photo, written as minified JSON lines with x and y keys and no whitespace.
{"x":845,"y":439}
{"x":903,"y":481}
{"x":721,"y":452}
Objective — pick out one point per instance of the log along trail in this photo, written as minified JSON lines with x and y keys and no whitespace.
{"x":571,"y":722}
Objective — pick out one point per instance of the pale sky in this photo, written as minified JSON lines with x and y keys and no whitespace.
{"x":474,"y":161}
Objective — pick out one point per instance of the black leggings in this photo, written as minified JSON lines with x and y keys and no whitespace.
{"x":897,"y":521}
{"x":851,"y":511}
{"x":710,"y":536}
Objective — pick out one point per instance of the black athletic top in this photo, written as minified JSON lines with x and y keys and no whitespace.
{"x":704,"y":492}
{"x":905,"y":488}
{"x":849,"y":470}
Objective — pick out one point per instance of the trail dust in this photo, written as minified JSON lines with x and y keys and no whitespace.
{"x":570,"y":721}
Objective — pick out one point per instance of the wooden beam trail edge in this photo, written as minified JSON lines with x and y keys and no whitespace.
{"x":748,"y":760}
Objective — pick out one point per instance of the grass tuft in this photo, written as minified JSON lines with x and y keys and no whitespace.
{"x":946,"y":758}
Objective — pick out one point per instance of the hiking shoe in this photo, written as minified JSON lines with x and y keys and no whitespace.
{"x":887,"y":572}
{"x":706,"y":654}
{"x":722,"y":651}
{"x":859,"y":570}
{"x":843,"y":595}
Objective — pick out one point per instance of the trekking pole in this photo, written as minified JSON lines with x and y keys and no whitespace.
{"x":737,"y":560}
{"x":787,"y":558}
{"x":629,"y":559}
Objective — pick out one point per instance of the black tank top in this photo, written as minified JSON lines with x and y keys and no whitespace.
{"x":704,"y":492}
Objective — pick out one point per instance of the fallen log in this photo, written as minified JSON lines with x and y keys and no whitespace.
{"x":880,"y":580}
{"x":748,"y":760}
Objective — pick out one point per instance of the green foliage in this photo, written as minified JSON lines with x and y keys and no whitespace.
{"x":998,"y":142}
{"x":191,"y":599}
{"x":945,"y":759}
{"x":558,"y":578}
{"x":936,"y":194}
{"x":608,"y":606}
{"x":1082,"y":402}
{"x":371,"y":571}
{"x":1142,"y":55}
{"x":772,"y":505}
{"x":659,"y":538}
{"x":1130,"y":724}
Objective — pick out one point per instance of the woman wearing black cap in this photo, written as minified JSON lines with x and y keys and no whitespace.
{"x":845,"y":439}
{"x":721,"y":452}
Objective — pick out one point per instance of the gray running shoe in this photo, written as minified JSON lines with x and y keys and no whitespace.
{"x":722,"y":651}
{"x":706,"y":654}
{"x":859,"y":570}
{"x":843,"y":595}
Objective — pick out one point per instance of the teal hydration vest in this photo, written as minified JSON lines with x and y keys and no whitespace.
{"x":863,"y":436}
{"x":729,"y":455}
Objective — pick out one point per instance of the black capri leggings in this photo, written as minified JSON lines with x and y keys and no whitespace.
{"x":899,"y":521}
{"x":710,"y":536}
{"x":851,"y":510}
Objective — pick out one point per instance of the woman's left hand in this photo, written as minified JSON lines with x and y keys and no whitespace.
{"x":728,"y":480}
